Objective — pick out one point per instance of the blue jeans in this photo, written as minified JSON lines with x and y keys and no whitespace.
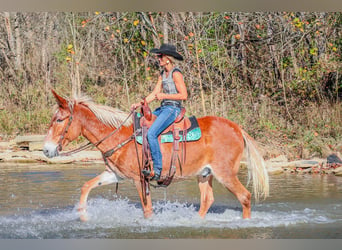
{"x":166,"y":115}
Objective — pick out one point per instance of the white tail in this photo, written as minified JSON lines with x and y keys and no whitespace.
{"x":256,"y":168}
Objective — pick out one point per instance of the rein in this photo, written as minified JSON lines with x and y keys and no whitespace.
{"x":89,"y":144}
{"x":106,"y":154}
{"x":66,"y":129}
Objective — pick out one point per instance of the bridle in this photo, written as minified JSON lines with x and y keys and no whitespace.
{"x":109,"y":152}
{"x":59,"y":147}
{"x":106,"y":155}
{"x":90,"y":144}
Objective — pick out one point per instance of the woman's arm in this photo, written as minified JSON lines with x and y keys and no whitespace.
{"x":152,"y":96}
{"x":157,"y":89}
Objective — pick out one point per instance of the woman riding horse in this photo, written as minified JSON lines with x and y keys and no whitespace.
{"x":171,"y":90}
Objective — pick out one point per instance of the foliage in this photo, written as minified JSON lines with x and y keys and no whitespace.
{"x":269,"y":72}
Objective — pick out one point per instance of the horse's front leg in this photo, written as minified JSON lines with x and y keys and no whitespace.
{"x":147,"y":208}
{"x":104,"y":178}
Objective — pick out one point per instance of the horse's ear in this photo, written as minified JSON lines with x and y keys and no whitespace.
{"x":60,"y":100}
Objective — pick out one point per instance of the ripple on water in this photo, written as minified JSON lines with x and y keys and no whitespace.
{"x":121,"y":214}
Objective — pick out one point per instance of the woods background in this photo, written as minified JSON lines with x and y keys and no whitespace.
{"x":278,"y":75}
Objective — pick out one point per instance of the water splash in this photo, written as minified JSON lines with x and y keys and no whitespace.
{"x":118,"y":215}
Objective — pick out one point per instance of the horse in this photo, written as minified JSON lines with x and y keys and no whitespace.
{"x":219,"y":150}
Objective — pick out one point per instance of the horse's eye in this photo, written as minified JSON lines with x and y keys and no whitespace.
{"x":59,"y":120}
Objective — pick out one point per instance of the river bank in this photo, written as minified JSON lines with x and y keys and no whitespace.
{"x":28,"y":149}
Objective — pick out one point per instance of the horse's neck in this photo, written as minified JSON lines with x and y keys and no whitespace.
{"x":94,"y":131}
{"x":91,"y":128}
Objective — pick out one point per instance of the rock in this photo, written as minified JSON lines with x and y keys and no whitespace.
{"x":28,"y":138}
{"x":18,"y":157}
{"x":270,"y":164}
{"x":280,"y":158}
{"x":38,"y":156}
{"x":4,"y":145}
{"x":36,"y":146}
{"x":275,"y":170}
{"x":300,"y":166}
{"x":327,"y":171}
{"x":275,"y":164}
{"x":306,"y":164}
{"x":307,"y":171}
{"x":83,"y":156}
{"x":61,"y":160}
{"x":25,"y":140}
{"x":337,"y":171}
{"x":333,"y":158}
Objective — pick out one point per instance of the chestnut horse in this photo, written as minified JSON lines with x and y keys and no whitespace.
{"x":219,"y":150}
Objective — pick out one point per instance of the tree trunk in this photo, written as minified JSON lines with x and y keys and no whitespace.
{"x":75,"y":74}
{"x":242,"y":48}
{"x":10,"y":37}
{"x":165,"y":29}
{"x":47,"y":29}
{"x":198,"y":64}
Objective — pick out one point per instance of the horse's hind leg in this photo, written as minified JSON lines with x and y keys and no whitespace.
{"x":207,"y":196}
{"x":104,"y":178}
{"x":242,"y":194}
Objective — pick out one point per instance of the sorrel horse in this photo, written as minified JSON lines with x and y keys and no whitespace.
{"x":219,"y":149}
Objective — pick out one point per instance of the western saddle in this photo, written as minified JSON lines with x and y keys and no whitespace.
{"x":181,"y":123}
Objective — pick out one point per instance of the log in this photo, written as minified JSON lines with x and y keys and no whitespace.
{"x":24,"y":141}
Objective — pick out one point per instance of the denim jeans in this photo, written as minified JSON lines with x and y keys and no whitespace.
{"x":166,"y":115}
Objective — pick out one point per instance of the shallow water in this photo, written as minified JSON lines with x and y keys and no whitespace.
{"x":40,"y":201}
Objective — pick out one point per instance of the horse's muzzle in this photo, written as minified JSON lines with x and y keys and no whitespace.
{"x":50,"y":149}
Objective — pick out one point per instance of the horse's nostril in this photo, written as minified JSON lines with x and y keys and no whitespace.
{"x":46,"y":152}
{"x":50,"y":150}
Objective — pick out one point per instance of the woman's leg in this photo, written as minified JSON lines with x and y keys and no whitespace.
{"x":166,"y":117}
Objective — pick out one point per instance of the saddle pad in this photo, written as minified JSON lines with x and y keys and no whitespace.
{"x":193,"y":133}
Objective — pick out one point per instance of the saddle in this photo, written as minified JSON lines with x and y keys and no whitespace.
{"x":181,"y":122}
{"x":175,"y":133}
{"x":187,"y":127}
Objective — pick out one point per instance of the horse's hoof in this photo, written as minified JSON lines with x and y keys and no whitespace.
{"x":201,"y":215}
{"x":84,"y":217}
{"x":83,"y":214}
{"x":148,"y":214}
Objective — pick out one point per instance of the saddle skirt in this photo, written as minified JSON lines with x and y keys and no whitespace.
{"x":187,"y":124}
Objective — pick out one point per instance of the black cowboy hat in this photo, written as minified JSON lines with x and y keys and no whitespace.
{"x":167,"y":49}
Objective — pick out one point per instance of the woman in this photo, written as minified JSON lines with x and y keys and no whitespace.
{"x":171,"y":90}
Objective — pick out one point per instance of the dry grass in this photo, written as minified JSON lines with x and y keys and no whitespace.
{"x":314,"y":130}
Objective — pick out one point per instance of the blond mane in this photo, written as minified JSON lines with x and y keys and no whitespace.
{"x":109,"y":116}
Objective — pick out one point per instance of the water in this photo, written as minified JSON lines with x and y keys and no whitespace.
{"x":40,"y":202}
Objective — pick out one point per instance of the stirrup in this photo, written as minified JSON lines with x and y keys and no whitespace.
{"x":156,"y":177}
{"x":151,"y":174}
{"x":147,"y":173}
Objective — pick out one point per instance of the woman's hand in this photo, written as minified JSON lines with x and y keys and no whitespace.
{"x":134,"y":106}
{"x":160,"y":96}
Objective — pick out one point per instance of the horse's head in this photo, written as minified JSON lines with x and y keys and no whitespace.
{"x":63,"y":129}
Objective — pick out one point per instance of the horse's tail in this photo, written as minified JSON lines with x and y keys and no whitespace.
{"x":256,"y":168}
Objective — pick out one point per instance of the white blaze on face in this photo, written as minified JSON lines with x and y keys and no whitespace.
{"x":49,"y":133}
{"x":50,"y":149}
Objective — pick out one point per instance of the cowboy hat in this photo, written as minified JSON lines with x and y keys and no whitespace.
{"x":167,"y":49}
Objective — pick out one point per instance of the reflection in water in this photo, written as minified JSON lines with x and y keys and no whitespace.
{"x":41,"y":202}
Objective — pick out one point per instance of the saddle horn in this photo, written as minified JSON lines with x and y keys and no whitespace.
{"x":146,"y":111}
